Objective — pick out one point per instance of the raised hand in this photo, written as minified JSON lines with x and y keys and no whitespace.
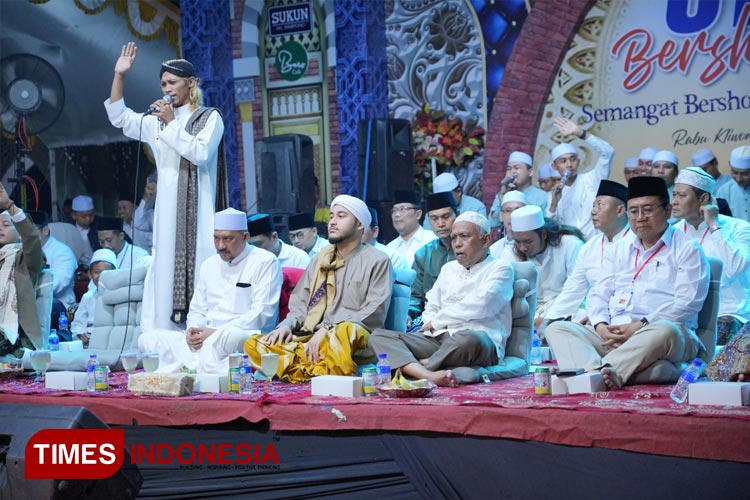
{"x":127,"y":58}
{"x":567,"y":127}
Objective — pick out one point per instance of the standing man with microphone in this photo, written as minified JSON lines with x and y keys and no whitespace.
{"x":186,"y":139}
{"x":571,"y":201}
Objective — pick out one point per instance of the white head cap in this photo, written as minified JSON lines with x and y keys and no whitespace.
{"x":547,"y":172}
{"x":83,"y":203}
{"x":666,"y":155}
{"x":631,"y":163}
{"x":740,"y":158}
{"x":356,"y":206}
{"x":701,"y":157}
{"x":698,"y":178}
{"x":520,"y":157}
{"x":230,"y":220}
{"x":512,"y":196}
{"x":104,"y":255}
{"x":444,"y":182}
{"x":563,"y":149}
{"x":475,"y":218}
{"x":528,"y":218}
{"x":647,"y":153}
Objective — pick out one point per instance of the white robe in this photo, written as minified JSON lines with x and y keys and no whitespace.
{"x":168,"y":146}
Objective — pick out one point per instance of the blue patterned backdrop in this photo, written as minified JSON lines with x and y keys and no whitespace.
{"x":361,"y":77}
{"x":206,"y":43}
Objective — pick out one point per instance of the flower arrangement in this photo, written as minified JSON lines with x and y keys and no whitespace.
{"x":447,"y":140}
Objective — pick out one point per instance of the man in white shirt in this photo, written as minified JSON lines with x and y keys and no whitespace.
{"x":405,"y":215}
{"x":518,"y":177}
{"x":60,"y":260}
{"x":645,"y":307}
{"x":237,"y":293}
{"x":570,"y":202}
{"x":446,"y":182}
{"x":706,"y":159}
{"x":263,"y":235}
{"x":551,"y":247}
{"x":103,"y":259}
{"x":725,"y":238}
{"x":737,"y":192}
{"x":512,"y":200}
{"x":467,"y":318}
{"x":630,"y":168}
{"x":370,"y":237}
{"x":85,"y":221}
{"x":111,"y":235}
{"x":304,"y":235}
{"x":610,"y":217}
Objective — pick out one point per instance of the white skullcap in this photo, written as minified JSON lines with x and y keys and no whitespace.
{"x":547,"y":172}
{"x":475,"y":218}
{"x":230,"y":220}
{"x":512,"y":196}
{"x":740,"y":158}
{"x":701,"y":157}
{"x":563,"y":149}
{"x":520,"y":157}
{"x":631,"y":163}
{"x":698,"y":178}
{"x":83,"y":203}
{"x":354,"y":205}
{"x":647,"y":154}
{"x":528,"y":218}
{"x":104,"y":255}
{"x":444,"y":182}
{"x":665,"y":155}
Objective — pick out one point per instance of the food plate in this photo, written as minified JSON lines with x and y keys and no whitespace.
{"x":425,"y":389}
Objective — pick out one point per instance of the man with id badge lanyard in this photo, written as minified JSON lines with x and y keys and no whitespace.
{"x":645,"y":306}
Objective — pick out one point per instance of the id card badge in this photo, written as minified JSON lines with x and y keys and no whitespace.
{"x":620,"y":301}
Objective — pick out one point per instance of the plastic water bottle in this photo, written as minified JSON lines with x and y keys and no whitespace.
{"x":536,"y":349}
{"x":246,"y":376}
{"x":91,"y":373}
{"x":53,"y":341}
{"x":383,"y":367}
{"x":62,"y":327}
{"x":689,"y":375}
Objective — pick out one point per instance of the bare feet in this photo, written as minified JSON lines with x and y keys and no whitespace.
{"x":611,"y":378}
{"x":443,"y":378}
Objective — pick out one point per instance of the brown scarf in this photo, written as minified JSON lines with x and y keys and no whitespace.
{"x":322,"y":288}
{"x":187,"y":217}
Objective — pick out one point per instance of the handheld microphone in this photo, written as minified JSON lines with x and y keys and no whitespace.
{"x":507,"y":181}
{"x":166,"y":98}
{"x":563,"y":181}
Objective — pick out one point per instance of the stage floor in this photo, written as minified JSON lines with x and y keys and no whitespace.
{"x":640,"y":419}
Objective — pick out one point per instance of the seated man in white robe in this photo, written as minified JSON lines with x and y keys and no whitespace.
{"x":467,"y":318}
{"x":237,"y":295}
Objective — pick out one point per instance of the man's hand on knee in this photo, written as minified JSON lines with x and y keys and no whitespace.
{"x":279,"y":335}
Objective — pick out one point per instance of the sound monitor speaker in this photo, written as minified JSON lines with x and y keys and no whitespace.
{"x":391,"y":166}
{"x":286,"y":174}
{"x":19,"y":422}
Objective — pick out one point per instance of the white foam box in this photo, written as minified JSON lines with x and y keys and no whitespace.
{"x":71,"y":346}
{"x":719,"y":393}
{"x":584,"y":383}
{"x":67,"y":381}
{"x":211,"y":382}
{"x":337,"y":385}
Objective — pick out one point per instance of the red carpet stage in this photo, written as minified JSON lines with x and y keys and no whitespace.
{"x":640,"y":419}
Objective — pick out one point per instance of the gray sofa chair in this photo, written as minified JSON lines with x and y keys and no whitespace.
{"x":518,"y":345}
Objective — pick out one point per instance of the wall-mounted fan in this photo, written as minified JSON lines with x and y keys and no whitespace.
{"x":32,"y":94}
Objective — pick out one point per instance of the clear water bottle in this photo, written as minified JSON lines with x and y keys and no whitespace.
{"x":62,"y":326}
{"x":246,"y":376}
{"x":383,"y":368}
{"x":689,"y":375}
{"x":91,"y":373}
{"x":53,"y":341}
{"x":536,"y":349}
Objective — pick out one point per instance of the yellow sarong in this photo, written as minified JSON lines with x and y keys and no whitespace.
{"x":337,"y":350}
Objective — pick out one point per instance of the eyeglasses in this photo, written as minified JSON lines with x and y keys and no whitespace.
{"x":646,"y":211}
{"x":402,"y":210}
{"x":299,"y":235}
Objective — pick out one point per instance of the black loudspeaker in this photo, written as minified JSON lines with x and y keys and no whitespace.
{"x":391,"y":165}
{"x":19,"y":422}
{"x":286,"y":174}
